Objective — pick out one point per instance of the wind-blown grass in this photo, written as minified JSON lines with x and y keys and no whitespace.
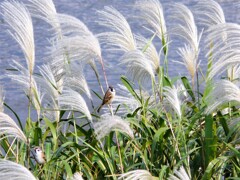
{"x":22,"y":29}
{"x":8,"y":128}
{"x":152,"y":12}
{"x":158,"y":126}
{"x":14,"y":171}
{"x":108,"y":123}
{"x":121,"y":35}
{"x":72,"y":100}
{"x":187,"y":29}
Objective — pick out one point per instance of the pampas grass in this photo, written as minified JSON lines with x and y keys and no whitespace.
{"x":160,"y":123}
{"x":152,"y":12}
{"x":222,"y":92}
{"x":14,"y":171}
{"x":172,"y":98}
{"x":209,"y":13}
{"x":2,"y":97}
{"x":19,"y":20}
{"x":137,"y":175}
{"x":72,"y":100}
{"x":180,"y":174}
{"x":121,"y":35}
{"x":108,"y":123}
{"x":225,"y":51}
{"x":187,"y":30}
{"x":45,"y":9}
{"x":8,"y":128}
{"x":138,"y":66}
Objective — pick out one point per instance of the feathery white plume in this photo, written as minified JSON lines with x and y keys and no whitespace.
{"x":14,"y":171}
{"x":121,"y":35}
{"x":9,"y":128}
{"x":18,"y":18}
{"x":137,"y":175}
{"x":138,"y":66}
{"x":187,"y":30}
{"x":172,"y":98}
{"x":45,"y":9}
{"x":149,"y":50}
{"x":180,"y":174}
{"x":108,"y":123}
{"x":222,"y":92}
{"x":77,"y":176}
{"x":209,"y":13}
{"x":77,"y":48}
{"x":72,"y":26}
{"x":225,"y":52}
{"x":76,"y":80}
{"x":190,"y":59}
{"x":152,"y":12}
{"x":1,"y":99}
{"x":28,"y":83}
{"x":72,"y":100}
{"x":51,"y":91}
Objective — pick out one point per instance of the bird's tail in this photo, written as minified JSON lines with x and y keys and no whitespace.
{"x":100,"y":107}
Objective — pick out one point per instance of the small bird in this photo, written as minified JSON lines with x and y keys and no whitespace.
{"x":108,"y":97}
{"x":39,"y":155}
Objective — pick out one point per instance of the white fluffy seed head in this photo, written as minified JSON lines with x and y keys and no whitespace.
{"x":108,"y":123}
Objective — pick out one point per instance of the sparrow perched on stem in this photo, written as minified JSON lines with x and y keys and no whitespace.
{"x":108,"y":97}
{"x":39,"y":155}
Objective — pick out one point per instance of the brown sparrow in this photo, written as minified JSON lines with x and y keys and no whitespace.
{"x":39,"y":155}
{"x":108,"y":97}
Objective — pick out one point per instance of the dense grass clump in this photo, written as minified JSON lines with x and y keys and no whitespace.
{"x":184,"y":127}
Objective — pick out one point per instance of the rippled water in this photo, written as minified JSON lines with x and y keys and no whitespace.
{"x":85,"y":10}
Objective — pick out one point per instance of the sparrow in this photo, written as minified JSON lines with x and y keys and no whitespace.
{"x":39,"y":155}
{"x":108,"y":97}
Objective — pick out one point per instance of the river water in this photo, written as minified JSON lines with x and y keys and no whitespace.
{"x":85,"y":10}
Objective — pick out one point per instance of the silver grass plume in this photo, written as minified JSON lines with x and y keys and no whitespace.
{"x":140,"y":174}
{"x":108,"y":123}
{"x":45,"y":9}
{"x":51,"y":91}
{"x":149,"y":50}
{"x":14,"y":171}
{"x":225,"y":52}
{"x":190,"y":59}
{"x":209,"y":13}
{"x":72,"y":100}
{"x":187,"y":30}
{"x":186,"y":27}
{"x":77,"y":176}
{"x":2,"y":97}
{"x":75,"y":79}
{"x":78,"y":48}
{"x":72,"y":26}
{"x":121,"y":35}
{"x":78,"y":43}
{"x":180,"y":174}
{"x":19,"y":20}
{"x":172,"y":98}
{"x":222,"y":92}
{"x":8,"y":128}
{"x":29,"y":86}
{"x":139,"y":67}
{"x":152,"y":12}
